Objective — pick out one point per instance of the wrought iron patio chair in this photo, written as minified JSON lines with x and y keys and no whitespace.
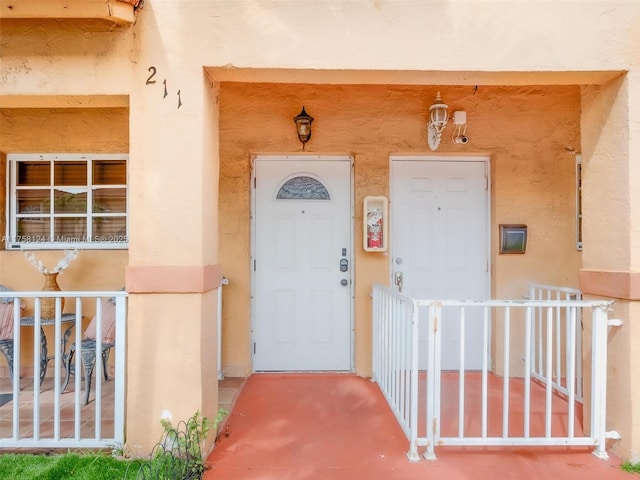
{"x":6,"y":329}
{"x":6,"y":334}
{"x":88,"y":348}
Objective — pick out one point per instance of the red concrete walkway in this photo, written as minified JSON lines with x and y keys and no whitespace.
{"x":339,"y":427}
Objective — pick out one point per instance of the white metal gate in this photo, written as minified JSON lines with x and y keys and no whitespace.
{"x":562,"y":352}
{"x":441,"y":408}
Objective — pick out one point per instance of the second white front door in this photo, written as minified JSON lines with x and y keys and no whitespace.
{"x":439,"y":238}
{"x":302,"y":264}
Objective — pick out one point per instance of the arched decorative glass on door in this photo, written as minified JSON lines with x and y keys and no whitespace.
{"x":303,"y":188}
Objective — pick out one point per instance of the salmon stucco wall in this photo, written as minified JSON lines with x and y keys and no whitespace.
{"x":530,"y":134}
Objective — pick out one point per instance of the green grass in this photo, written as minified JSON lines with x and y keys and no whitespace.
{"x":69,"y":466}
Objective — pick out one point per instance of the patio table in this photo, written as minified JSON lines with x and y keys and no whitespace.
{"x":30,"y":321}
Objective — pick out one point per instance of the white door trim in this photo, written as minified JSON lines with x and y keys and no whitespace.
{"x":351,"y":253}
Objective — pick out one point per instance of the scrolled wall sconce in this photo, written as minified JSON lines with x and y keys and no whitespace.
{"x":303,"y":126}
{"x":438,"y":118}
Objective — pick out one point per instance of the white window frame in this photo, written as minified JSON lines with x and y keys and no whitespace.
{"x":579,"y":202}
{"x":13,"y":242}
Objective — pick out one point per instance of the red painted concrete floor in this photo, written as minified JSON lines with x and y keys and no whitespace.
{"x":339,"y":427}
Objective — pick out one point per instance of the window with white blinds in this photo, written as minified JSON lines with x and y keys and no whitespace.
{"x":67,"y":200}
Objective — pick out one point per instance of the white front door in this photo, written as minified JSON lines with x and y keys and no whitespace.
{"x":302,"y":264}
{"x":439,"y":240}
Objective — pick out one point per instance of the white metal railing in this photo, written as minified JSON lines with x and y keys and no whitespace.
{"x":395,"y":343}
{"x":567,"y":345}
{"x":57,"y":419}
{"x":223,"y":281}
{"x":460,"y":413}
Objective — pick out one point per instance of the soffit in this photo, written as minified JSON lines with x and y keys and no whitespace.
{"x":114,"y":11}
{"x":409,"y":77}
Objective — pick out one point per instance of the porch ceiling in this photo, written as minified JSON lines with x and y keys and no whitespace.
{"x":408,"y":77}
{"x":116,"y":11}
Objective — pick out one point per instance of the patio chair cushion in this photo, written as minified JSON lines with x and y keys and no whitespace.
{"x":108,"y":324}
{"x":6,"y":321}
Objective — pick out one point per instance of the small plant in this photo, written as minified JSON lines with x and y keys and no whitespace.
{"x":178,"y":455}
{"x":188,"y":439}
{"x":121,"y":450}
{"x":630,"y":467}
{"x":222,"y":413}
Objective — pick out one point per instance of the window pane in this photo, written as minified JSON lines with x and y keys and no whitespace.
{"x":33,"y":230}
{"x":66,"y":202}
{"x":109,"y":172}
{"x":110,"y":229}
{"x":70,"y":173}
{"x":70,"y":229}
{"x":33,"y":173}
{"x":112,"y":200}
{"x":33,"y":201}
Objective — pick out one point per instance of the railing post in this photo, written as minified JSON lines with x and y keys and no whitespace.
{"x":15,"y":375}
{"x":433,"y":378}
{"x":527,"y":371}
{"x":412,"y":454}
{"x":571,"y":368}
{"x":505,"y":377}
{"x":599,"y":379}
{"x":121,"y":369}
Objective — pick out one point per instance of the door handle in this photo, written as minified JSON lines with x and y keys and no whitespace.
{"x":398,"y":280}
{"x":344,"y":282}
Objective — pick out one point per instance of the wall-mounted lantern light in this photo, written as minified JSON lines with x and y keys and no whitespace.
{"x":438,"y":117}
{"x":303,"y":126}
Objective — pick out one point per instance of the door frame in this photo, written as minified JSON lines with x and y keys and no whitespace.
{"x":486,"y":159}
{"x":351,"y":254}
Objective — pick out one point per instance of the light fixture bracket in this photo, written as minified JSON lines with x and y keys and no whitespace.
{"x":433,"y":137}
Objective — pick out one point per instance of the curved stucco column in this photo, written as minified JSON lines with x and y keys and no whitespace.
{"x":611,"y":240}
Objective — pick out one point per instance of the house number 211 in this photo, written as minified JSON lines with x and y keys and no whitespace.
{"x":151,"y":81}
